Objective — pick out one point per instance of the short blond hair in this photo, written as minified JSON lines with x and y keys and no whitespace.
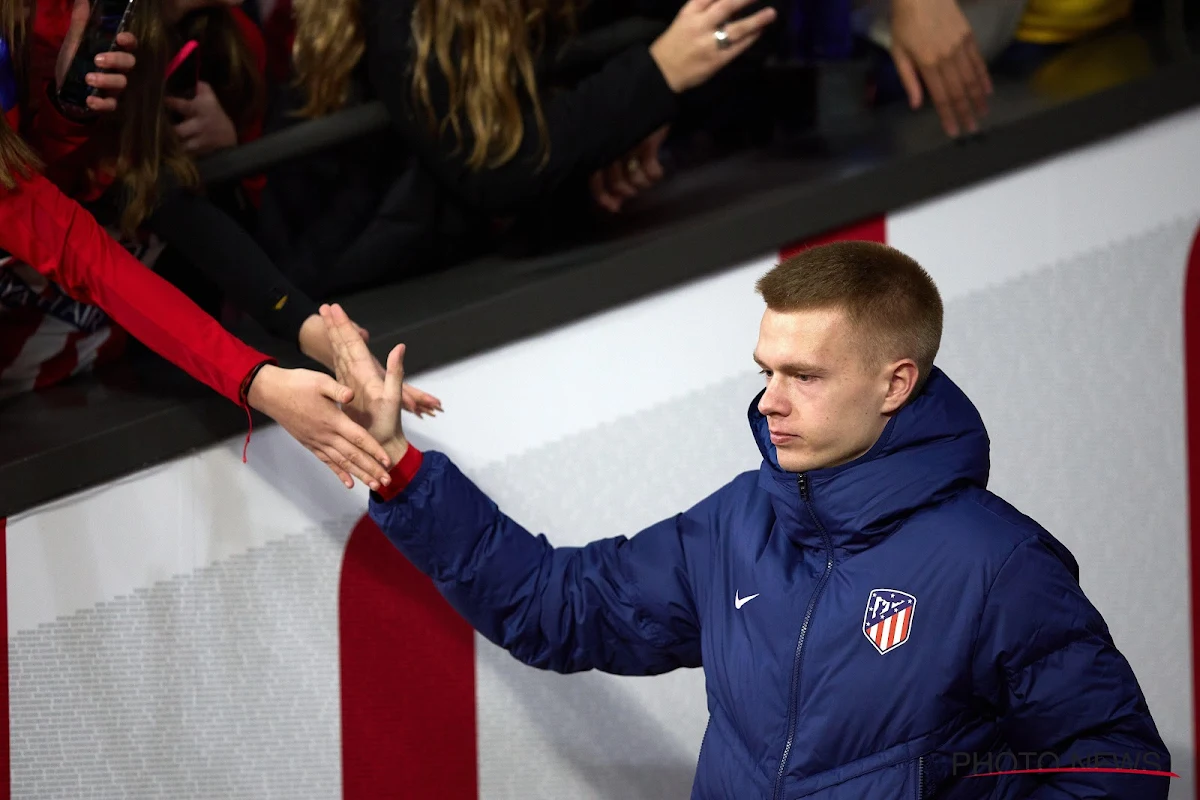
{"x":885,"y":294}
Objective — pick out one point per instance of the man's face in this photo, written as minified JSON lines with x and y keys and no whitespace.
{"x":825,"y":401}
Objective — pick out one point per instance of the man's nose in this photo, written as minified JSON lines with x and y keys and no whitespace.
{"x":772,"y":403}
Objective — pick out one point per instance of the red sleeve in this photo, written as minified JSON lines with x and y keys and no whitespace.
{"x":54,"y":235}
{"x":402,"y":474}
{"x":253,"y":38}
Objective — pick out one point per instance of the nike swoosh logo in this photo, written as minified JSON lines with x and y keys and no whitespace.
{"x":738,"y":602}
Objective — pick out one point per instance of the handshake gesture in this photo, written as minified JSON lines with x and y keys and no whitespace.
{"x":378,"y":393}
{"x":351,"y":423}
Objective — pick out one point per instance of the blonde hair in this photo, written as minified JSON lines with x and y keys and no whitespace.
{"x":484,"y":51}
{"x":886,"y":295}
{"x":17,"y":161}
{"x":146,"y":142}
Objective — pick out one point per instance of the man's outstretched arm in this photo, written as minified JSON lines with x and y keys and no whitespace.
{"x":620,"y":605}
{"x":617,"y":605}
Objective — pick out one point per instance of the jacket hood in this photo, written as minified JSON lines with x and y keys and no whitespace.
{"x":930,"y":449}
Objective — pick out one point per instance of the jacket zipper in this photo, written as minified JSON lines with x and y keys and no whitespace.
{"x":921,"y":778}
{"x":802,"y":483}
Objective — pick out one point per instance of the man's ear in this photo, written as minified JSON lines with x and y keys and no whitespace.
{"x":902,"y":382}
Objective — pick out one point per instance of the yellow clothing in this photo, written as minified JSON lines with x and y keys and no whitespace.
{"x":1109,"y":60}
{"x":1057,"y":21}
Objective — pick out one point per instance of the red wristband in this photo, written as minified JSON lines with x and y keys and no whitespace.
{"x":402,"y":474}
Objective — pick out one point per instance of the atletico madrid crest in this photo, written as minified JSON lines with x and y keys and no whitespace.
{"x":888,"y":618}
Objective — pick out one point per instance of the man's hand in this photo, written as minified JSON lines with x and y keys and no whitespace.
{"x":934,"y":39}
{"x":377,"y":393}
{"x":115,"y":64}
{"x":316,"y":343}
{"x":304,"y":403}
{"x":206,"y":127}
{"x":631,"y":176}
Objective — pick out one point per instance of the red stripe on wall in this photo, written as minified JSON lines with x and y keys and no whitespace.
{"x":1191,"y":362}
{"x":870,"y":230}
{"x":408,"y":680}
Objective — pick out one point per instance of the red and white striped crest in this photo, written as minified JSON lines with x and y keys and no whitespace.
{"x":887,"y":621}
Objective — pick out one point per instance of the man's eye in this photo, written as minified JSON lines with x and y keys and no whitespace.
{"x":766,"y":372}
{"x":804,"y":378}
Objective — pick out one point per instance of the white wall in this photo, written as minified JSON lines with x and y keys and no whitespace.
{"x":1064,"y":321}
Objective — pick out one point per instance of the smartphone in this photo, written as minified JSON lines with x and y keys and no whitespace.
{"x":107,"y":19}
{"x":183,"y":73}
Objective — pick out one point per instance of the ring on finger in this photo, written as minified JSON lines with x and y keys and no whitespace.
{"x":722,"y":37}
{"x":633,"y":166}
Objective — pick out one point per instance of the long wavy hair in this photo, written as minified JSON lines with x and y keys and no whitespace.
{"x":483,"y":50}
{"x":147,"y":150}
{"x":17,"y":161}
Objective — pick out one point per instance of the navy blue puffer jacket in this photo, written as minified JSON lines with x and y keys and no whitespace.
{"x":882,"y":629}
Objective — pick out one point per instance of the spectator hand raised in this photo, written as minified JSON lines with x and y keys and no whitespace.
{"x":704,"y":37}
{"x":932,"y":42}
{"x":630,"y":176}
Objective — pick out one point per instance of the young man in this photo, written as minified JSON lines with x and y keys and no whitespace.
{"x":872,"y":622}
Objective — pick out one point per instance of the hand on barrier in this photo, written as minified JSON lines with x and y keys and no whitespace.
{"x":305,"y":404}
{"x":628,"y":177}
{"x":932,"y":42}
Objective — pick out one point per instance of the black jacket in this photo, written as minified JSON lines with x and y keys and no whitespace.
{"x":403,"y":202}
